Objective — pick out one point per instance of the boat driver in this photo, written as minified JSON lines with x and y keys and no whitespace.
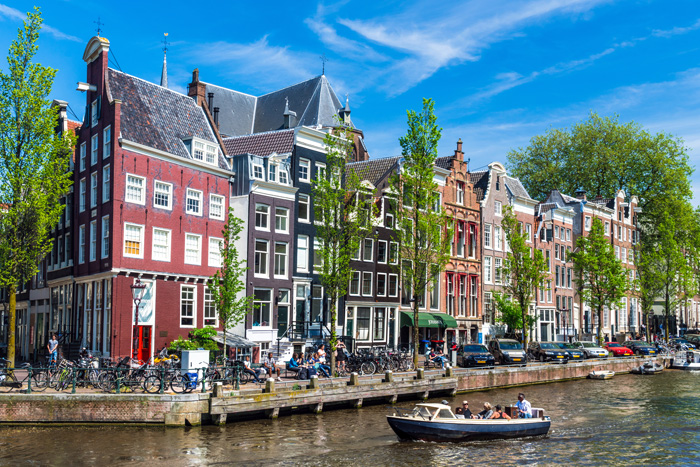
{"x":464,"y":410}
{"x":524,"y":407}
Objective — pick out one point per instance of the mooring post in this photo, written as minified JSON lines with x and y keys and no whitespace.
{"x":317,"y":408}
{"x":218,"y":389}
{"x":423,"y":395}
{"x":420,"y":373}
{"x":388,"y":376}
{"x":313,"y":382}
{"x":358,"y":403}
{"x":392,"y":399}
{"x":449,"y":371}
{"x":354,"y":379}
{"x":273,"y":413}
{"x":269,"y":386}
{"x":219,"y":419}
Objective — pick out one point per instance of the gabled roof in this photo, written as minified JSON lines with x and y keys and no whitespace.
{"x":158,"y":117}
{"x":313,"y":101}
{"x":444,"y":162}
{"x":480,"y":180}
{"x":516,"y":188}
{"x":73,"y":125}
{"x":374,"y":170}
{"x":261,"y":144}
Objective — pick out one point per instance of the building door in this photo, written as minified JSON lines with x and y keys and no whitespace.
{"x":142,"y":343}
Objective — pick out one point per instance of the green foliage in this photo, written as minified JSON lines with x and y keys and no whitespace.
{"x":423,"y":229}
{"x":34,"y":164}
{"x":200,"y":338}
{"x":600,"y":277}
{"x":343,"y":212}
{"x":524,"y":269}
{"x":227,"y":285}
{"x":510,"y":313}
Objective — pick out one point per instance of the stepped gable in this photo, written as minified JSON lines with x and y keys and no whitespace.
{"x":516,"y":188}
{"x":480,"y":180}
{"x":444,"y":162}
{"x":374,"y":170}
{"x":314,"y":101}
{"x":158,"y":117}
{"x":261,"y":144}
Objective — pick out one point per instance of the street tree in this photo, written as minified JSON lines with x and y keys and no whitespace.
{"x":600,"y":277}
{"x":423,"y":231}
{"x":510,"y":313}
{"x":343,"y":212}
{"x":34,"y":166}
{"x":524,"y":269}
{"x":227,"y":285}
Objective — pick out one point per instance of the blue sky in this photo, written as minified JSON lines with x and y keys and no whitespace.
{"x":500,"y":71}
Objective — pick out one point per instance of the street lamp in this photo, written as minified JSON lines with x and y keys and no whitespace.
{"x":138,"y":289}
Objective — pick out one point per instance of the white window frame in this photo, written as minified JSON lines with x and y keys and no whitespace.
{"x":266,"y":263}
{"x":195,"y":195}
{"x":217,"y":202}
{"x":81,"y":244}
{"x":83,"y":194}
{"x":139,"y":190}
{"x":210,"y":304}
{"x":498,"y":208}
{"x":94,"y":149}
{"x":93,"y":190}
{"x":262,"y":210}
{"x":198,"y":238}
{"x":398,"y":253}
{"x":362,"y":283}
{"x":204,"y":151}
{"x":371,"y":250}
{"x":460,"y":192}
{"x":284,"y":263}
{"x":93,"y":113}
{"x":355,"y":278}
{"x":528,"y":231}
{"x":215,"y":259}
{"x":498,"y":244}
{"x":320,"y":170}
{"x":305,"y":163}
{"x":282,"y":213}
{"x":105,"y":237}
{"x":307,"y":201}
{"x":386,"y":251}
{"x":164,"y":189}
{"x":302,"y":262}
{"x":106,"y":182}
{"x":193,"y":289}
{"x":488,"y":237}
{"x":379,"y":293}
{"x":488,"y":269}
{"x":141,"y":229}
{"x":257,"y":171}
{"x":93,"y":240}
{"x":388,"y":285}
{"x":168,"y":237}
{"x":83,"y":155}
{"x":107,"y":142}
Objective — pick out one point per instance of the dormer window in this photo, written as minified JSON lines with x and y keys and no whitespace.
{"x":258,"y":172}
{"x":272,"y":173}
{"x":204,"y":151}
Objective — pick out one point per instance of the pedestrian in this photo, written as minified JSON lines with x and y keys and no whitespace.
{"x":53,"y":349}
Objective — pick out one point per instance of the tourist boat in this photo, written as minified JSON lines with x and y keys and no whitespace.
{"x":686,"y":360}
{"x":436,"y":422}
{"x":601,"y":374}
{"x":648,"y":368}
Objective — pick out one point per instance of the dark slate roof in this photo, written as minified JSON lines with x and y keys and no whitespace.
{"x":542,"y":207}
{"x":480,"y":180}
{"x":261,"y":144}
{"x":313,"y":101}
{"x":444,"y":162}
{"x":373,"y":170}
{"x":158,"y":117}
{"x":607,"y":202}
{"x":516,"y":187}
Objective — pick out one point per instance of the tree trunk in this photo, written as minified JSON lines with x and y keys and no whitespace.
{"x":523,"y":312}
{"x":11,"y":326}
{"x":226,"y":354}
{"x":666,"y":313}
{"x":415,"y":331}
{"x":334,"y":338}
{"x":600,"y":326}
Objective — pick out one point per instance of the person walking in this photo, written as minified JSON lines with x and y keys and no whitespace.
{"x":53,"y":349}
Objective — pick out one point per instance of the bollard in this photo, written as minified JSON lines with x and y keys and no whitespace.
{"x":354,"y":379}
{"x":162,"y":378}
{"x":449,"y":371}
{"x":388,"y":376}
{"x":420,"y":373}
{"x":29,"y":381}
{"x":119,"y":382}
{"x":204,"y":381}
{"x":270,"y":385}
{"x":313,"y":382}
{"x":73,"y":390}
{"x":218,"y":389}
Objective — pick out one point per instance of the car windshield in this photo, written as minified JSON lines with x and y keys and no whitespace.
{"x":682,"y":341}
{"x":588,"y":345}
{"x":635,"y":343}
{"x":510,"y":346}
{"x":475,"y":348}
{"x":613,"y":344}
{"x":567,"y":346}
{"x":547,"y":345}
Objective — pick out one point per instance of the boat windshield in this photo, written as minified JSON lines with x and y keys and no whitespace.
{"x":445,"y":413}
{"x":475,"y":348}
{"x":510,"y":346}
{"x":422,"y":412}
{"x":548,"y":345}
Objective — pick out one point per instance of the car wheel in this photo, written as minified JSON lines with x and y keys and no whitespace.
{"x":542,"y":358}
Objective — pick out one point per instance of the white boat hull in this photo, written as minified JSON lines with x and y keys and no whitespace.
{"x":686,"y":360}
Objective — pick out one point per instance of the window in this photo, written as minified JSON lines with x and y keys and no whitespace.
{"x":83,"y":155}
{"x":568,"y":235}
{"x":487,"y":269}
{"x":556,"y":276}
{"x":215,"y":245}
{"x":497,"y":208}
{"x":393,"y":285}
{"x":94,"y":146}
{"x":617,"y":252}
{"x":548,"y":260}
{"x":216,"y":207}
{"x":260,"y":258}
{"x":318,"y":255}
{"x":106,"y":182}
{"x":284,"y":179}
{"x":460,"y":193}
{"x":381,"y":251}
{"x":106,"y":142}
{"x":394,"y":253}
{"x":619,"y":233}
{"x":194,"y":202}
{"x":528,"y":232}
{"x":461,"y":238}
{"x":302,"y":253}
{"x":262,"y":304}
{"x":363,"y":321}
{"x":211,"y":317}
{"x":381,"y":284}
{"x":105,"y":236}
{"x":607,"y":228}
{"x":630,"y":256}
{"x":271,"y":172}
{"x":258,"y":171}
{"x":556,"y":231}
{"x":487,"y":236}
{"x":320,"y":171}
{"x":204,"y":152}
{"x":379,"y":315}
{"x":368,"y":250}
{"x":262,"y":215}
{"x":473,"y":299}
{"x":462,"y":303}
{"x":93,"y":189}
{"x":355,"y":283}
{"x":163,"y":195}
{"x":94,"y":113}
{"x":435,"y":292}
{"x":133,"y":240}
{"x":304,"y":169}
{"x":193,"y":249}
{"x":303,"y":214}
{"x":471,"y":240}
{"x":93,"y":240}
{"x":366,"y":283}
{"x":450,"y":305}
{"x":497,"y":237}
{"x":135,"y":192}
{"x":161,"y":244}
{"x":498,"y":262}
{"x":282,"y":220}
{"x":356,"y":254}
{"x":556,"y":251}
{"x":187,"y":305}
{"x":81,"y":245}
{"x":83,"y":194}
{"x":623,"y":253}
{"x":280,"y":259}
{"x":588,"y":223}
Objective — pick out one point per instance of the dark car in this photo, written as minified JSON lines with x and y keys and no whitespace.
{"x":679,"y":342}
{"x":548,"y":352}
{"x":508,"y":352}
{"x":472,"y":355}
{"x":575,"y":353}
{"x":641,"y":347}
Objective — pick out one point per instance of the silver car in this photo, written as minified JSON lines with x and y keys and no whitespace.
{"x":591,"y":349}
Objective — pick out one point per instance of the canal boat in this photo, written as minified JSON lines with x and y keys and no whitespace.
{"x":686,"y":360}
{"x":648,"y":368}
{"x":437,"y":422}
{"x":601,"y":374}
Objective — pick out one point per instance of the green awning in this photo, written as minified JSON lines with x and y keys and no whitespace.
{"x":428,"y":320}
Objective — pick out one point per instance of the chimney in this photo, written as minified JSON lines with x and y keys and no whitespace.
{"x":216,"y":115}
{"x":62,"y":125}
{"x":289,"y":116}
{"x":210,"y":100}
{"x":195,"y":88}
{"x":581,"y":194}
{"x":459,"y":155}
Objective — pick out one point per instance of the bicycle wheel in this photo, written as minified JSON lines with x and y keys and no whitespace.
{"x":107,"y":381}
{"x":8,"y":382}
{"x":180,"y":383}
{"x":39,"y":381}
{"x":151,"y":384}
{"x":367,"y":368}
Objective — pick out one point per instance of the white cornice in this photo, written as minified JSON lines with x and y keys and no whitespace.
{"x":310,"y":138}
{"x":157,"y":153}
{"x":274,"y":190}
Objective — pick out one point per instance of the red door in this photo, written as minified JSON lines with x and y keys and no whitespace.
{"x":142,"y":343}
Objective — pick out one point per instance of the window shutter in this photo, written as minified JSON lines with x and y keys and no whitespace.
{"x":87,"y":114}
{"x":99,"y":107}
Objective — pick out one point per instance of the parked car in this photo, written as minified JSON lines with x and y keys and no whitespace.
{"x":473,"y":355}
{"x":618,"y":350}
{"x":508,"y":351}
{"x":678,"y":342}
{"x":641,"y":347}
{"x":548,"y":352}
{"x":591,"y":349}
{"x":574,"y":352}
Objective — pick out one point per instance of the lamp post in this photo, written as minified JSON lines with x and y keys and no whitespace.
{"x":138,"y":289}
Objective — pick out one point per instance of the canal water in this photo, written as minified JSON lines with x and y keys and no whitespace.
{"x":629,"y":420}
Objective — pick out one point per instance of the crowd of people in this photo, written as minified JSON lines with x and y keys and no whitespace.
{"x":524,"y":410}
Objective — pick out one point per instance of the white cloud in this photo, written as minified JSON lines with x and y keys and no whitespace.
{"x":676,"y":31}
{"x":14,"y":14}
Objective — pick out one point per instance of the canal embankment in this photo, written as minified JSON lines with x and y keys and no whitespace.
{"x":224,"y":404}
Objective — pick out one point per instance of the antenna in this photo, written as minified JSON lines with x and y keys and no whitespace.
{"x":99,"y":26}
{"x":324,"y":59}
{"x":165,"y":42}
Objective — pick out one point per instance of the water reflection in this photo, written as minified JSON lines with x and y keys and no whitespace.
{"x":627,"y":420}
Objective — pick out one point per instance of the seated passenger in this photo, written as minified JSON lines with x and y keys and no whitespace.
{"x":524,"y":407}
{"x":464,"y":410}
{"x":499,"y":414}
{"x":487,"y":412}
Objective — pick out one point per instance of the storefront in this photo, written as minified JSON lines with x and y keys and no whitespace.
{"x":431,"y":327}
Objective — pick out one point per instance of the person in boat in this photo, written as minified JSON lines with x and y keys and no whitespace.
{"x":499,"y":414}
{"x":464,"y":410}
{"x":487,"y":412}
{"x":524,"y":407}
